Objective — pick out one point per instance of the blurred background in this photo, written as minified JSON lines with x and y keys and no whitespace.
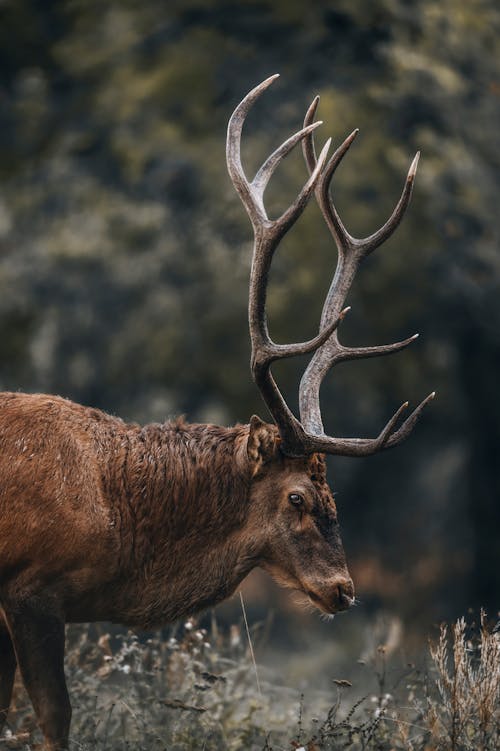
{"x":125,"y":252}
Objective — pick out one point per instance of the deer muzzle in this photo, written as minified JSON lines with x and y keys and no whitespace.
{"x":338,"y":595}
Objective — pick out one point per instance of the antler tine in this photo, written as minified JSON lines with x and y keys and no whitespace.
{"x":281,"y":351}
{"x":261,"y":179}
{"x":367,"y":446}
{"x":342,"y":237}
{"x":366,"y":245}
{"x":255,"y":211}
{"x":405,"y":429}
{"x":357,"y":353}
{"x":308,"y":148}
{"x":252,"y":193}
{"x":372,"y":242}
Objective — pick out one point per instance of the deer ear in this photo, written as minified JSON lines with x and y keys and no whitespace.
{"x":262,"y":443}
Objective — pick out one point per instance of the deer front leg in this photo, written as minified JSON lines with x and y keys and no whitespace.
{"x":37,"y":632}
{"x":7,"y":670}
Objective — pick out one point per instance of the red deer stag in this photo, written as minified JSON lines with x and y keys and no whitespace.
{"x":104,"y":520}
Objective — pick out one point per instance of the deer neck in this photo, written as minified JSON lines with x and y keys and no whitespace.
{"x":181,"y":509}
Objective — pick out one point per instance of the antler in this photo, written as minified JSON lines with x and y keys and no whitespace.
{"x":351,"y":251}
{"x":298,"y":438}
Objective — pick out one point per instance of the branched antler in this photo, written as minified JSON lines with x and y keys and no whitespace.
{"x":306,"y":436}
{"x":351,"y":251}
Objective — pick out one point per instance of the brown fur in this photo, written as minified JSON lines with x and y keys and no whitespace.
{"x":104,"y":520}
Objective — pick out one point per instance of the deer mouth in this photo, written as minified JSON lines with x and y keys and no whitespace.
{"x":341,"y":601}
{"x":320,"y":603}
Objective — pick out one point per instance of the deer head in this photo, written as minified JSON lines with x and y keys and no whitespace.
{"x":293,"y":515}
{"x":289,"y":488}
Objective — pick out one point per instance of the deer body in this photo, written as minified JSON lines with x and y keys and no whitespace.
{"x":136,"y":525}
{"x":103,"y":520}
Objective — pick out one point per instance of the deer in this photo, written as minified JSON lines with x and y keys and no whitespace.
{"x":103,"y":520}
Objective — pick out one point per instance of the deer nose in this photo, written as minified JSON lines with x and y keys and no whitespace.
{"x":342,"y":594}
{"x":333,"y":596}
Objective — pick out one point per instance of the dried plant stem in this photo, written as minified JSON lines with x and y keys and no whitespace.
{"x":252,"y":655}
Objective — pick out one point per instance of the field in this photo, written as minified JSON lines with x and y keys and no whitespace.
{"x":198,"y":688}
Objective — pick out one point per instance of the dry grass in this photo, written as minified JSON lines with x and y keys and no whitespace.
{"x":468,"y":681}
{"x":194,"y":690}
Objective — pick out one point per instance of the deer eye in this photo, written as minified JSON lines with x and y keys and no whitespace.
{"x":295,"y":499}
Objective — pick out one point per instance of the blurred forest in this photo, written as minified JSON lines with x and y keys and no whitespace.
{"x":125,"y":252}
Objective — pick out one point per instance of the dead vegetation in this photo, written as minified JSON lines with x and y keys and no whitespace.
{"x":196,"y":689}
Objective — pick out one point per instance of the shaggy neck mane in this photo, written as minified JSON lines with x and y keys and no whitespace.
{"x":175,"y":481}
{"x":178,"y":496}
